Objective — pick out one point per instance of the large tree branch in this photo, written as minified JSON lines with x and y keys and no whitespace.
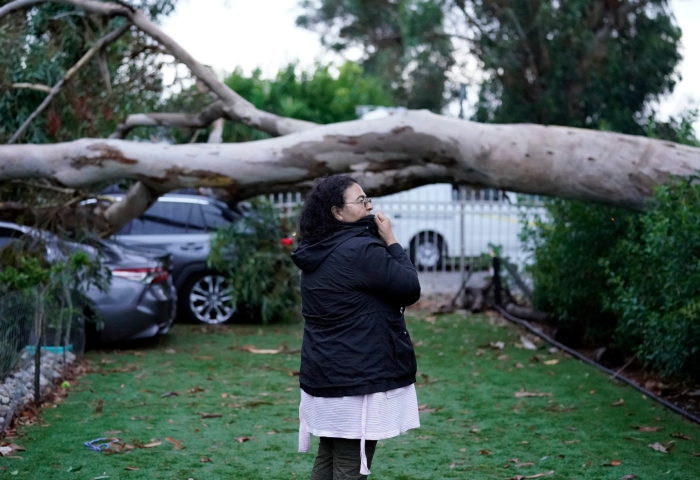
{"x":136,"y":201}
{"x":179,"y":120}
{"x":141,"y":195}
{"x":558,"y":161}
{"x":103,"y":8}
{"x":106,"y":40}
{"x":31,"y":86}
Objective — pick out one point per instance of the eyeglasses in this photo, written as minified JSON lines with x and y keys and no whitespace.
{"x":364,"y":202}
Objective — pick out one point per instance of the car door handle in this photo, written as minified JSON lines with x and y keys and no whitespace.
{"x":192,"y":246}
{"x":398,"y":215}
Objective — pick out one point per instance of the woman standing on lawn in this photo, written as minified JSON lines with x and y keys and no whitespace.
{"x":358,"y":367}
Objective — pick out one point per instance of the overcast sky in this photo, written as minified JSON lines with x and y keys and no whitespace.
{"x":262,"y":34}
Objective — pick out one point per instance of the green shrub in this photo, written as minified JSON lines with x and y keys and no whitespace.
{"x":655,"y":287}
{"x":568,"y":250}
{"x":264,"y":279}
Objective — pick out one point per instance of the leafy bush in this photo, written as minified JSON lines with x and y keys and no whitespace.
{"x":569,"y":249}
{"x":655,"y":287}
{"x":46,"y":300}
{"x":253,"y":255}
{"x":625,"y":277}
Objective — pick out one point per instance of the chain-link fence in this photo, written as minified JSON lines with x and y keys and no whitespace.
{"x":40,"y":335}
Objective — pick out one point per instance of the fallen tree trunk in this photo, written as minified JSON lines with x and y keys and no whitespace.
{"x":393,"y":154}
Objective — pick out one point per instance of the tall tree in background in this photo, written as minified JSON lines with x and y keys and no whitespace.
{"x":403,"y":43}
{"x":581,"y":63}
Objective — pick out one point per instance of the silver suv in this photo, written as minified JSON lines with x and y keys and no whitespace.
{"x":183,"y":226}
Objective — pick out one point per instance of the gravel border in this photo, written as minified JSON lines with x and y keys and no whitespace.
{"x":17,"y":389}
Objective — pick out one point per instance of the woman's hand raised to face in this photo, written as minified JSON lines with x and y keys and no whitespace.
{"x":384,"y":226}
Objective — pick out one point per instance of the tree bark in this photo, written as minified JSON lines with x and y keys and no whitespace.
{"x":178,"y":120}
{"x":417,"y":148}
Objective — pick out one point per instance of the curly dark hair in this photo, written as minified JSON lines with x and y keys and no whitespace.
{"x":316,"y":220}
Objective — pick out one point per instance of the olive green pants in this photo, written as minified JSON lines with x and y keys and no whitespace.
{"x":339,"y":459}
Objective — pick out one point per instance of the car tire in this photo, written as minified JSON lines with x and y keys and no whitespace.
{"x":427,"y":250}
{"x":207,"y":298}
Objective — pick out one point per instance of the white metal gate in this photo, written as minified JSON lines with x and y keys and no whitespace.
{"x":448,"y":230}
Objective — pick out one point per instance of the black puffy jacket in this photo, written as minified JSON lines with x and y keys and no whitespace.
{"x":353,"y":290}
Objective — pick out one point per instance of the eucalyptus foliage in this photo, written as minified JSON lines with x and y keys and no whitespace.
{"x":252,"y":254}
{"x":403,"y":42}
{"x":39,"y":47}
{"x":580,"y":63}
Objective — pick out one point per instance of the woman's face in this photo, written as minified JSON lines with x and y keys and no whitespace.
{"x":355,"y":207}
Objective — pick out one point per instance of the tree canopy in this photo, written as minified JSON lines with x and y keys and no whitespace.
{"x":40,"y":47}
{"x":582,"y":63}
{"x":403,"y":42}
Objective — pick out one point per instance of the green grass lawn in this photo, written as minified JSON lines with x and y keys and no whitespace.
{"x":197,"y":405}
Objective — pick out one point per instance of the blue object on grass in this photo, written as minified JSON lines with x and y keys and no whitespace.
{"x":100,"y":446}
{"x":30,"y":349}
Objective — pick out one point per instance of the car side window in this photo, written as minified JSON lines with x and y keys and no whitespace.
{"x":214,"y":217}
{"x":163,"y":218}
{"x":7,"y":235}
{"x":197,"y":222}
{"x":126,"y":229}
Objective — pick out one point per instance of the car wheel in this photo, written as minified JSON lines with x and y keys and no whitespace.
{"x":208,"y":298}
{"x":427,"y":251}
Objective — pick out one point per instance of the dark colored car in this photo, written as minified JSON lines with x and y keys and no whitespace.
{"x":183,"y":225}
{"x":141,"y":299}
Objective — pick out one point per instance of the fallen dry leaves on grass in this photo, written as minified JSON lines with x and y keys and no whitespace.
{"x":662,"y":448}
{"x":424,"y":408}
{"x":537,"y":475}
{"x":649,"y":429}
{"x":8,"y":450}
{"x":177,"y":444}
{"x":527,"y":343}
{"x":210,"y":415}
{"x":265,"y":351}
{"x":522,"y":394}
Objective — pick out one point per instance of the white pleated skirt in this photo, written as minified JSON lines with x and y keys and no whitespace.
{"x":375,"y":416}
